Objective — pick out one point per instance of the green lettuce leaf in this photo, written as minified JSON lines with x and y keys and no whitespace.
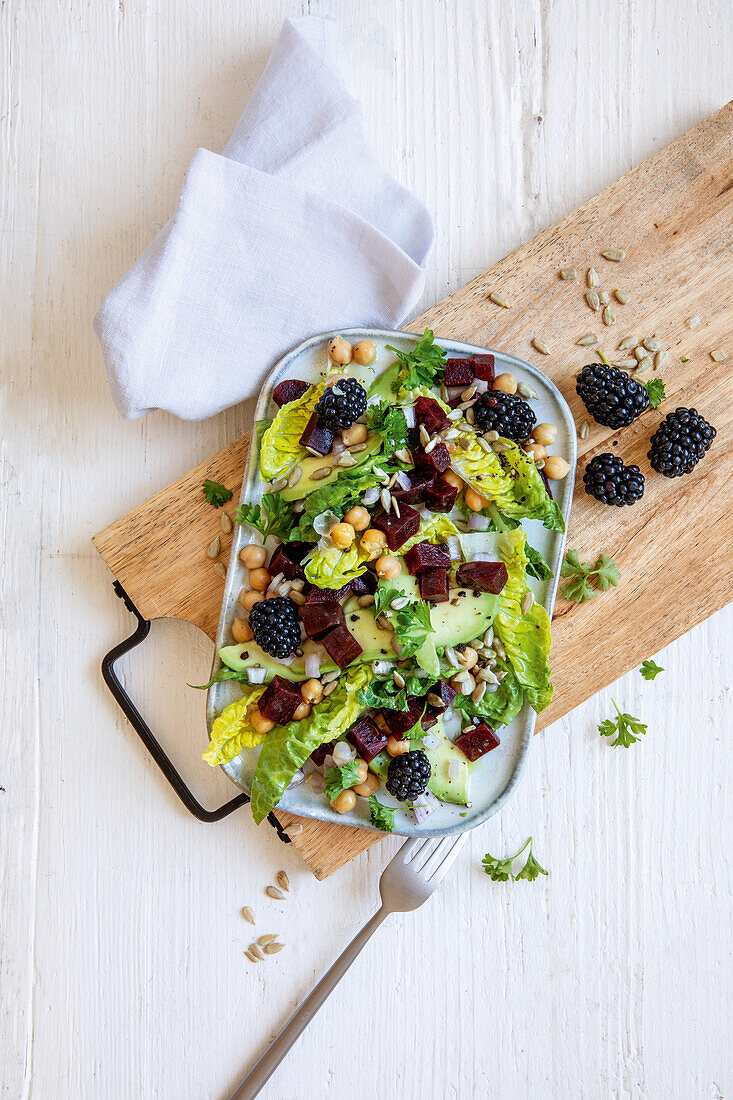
{"x":526,"y":637}
{"x":499,"y":707}
{"x":287,"y":748}
{"x":280,"y":446}
{"x":333,"y":568}
{"x":510,"y":481}
{"x":383,"y":692}
{"x":537,"y":567}
{"x":337,"y":497}
{"x":232,"y":731}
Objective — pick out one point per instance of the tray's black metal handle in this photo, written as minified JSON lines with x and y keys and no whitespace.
{"x":147,"y":736}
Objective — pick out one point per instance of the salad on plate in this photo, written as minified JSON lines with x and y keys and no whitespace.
{"x":387,"y":630}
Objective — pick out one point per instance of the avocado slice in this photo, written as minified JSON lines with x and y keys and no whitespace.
{"x":452,"y":623}
{"x":382,"y":384}
{"x":306,"y":484}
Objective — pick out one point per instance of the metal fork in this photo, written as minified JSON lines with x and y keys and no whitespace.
{"x":407,"y":881}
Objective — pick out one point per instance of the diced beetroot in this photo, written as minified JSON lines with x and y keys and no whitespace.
{"x":289,"y":390}
{"x":444,"y":692}
{"x":435,"y":463}
{"x":546,"y":480}
{"x":478,"y":741}
{"x":441,"y":496}
{"x":429,"y":718}
{"x":364,"y":585}
{"x":483,"y":576}
{"x":341,"y":644}
{"x":483,"y":366}
{"x":429,"y":413}
{"x":455,"y":401}
{"x":319,"y":618}
{"x":419,"y":484}
{"x":280,"y":700}
{"x":434,"y":585}
{"x":317,"y":438}
{"x":326,"y":595}
{"x":426,"y":555}
{"x":400,"y":721}
{"x":281,"y":562}
{"x":296,"y":551}
{"x":320,"y":753}
{"x":398,"y":531}
{"x":366,"y":738}
{"x":459,"y":372}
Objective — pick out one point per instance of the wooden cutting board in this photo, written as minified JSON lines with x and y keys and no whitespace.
{"x":673,"y":217}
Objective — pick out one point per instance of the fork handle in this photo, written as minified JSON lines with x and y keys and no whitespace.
{"x":266,"y":1065}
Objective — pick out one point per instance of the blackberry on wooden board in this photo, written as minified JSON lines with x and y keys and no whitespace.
{"x":611,"y":396}
{"x":680,"y":442}
{"x":611,"y":482}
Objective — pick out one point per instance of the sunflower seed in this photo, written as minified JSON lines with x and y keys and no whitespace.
{"x":273,"y":948}
{"x":645,"y":364}
{"x":399,"y":602}
{"x":392,"y":480}
{"x":435,"y":700}
{"x":379,"y":472}
{"x":298,"y":507}
{"x":345,"y":459}
{"x":539,"y":344}
{"x":608,"y":316}
{"x":282,"y":880}
{"x":622,"y":296}
{"x":386,"y":498}
{"x":467,"y":684}
{"x":500,"y":446}
{"x":527,"y":602}
{"x":214,"y":548}
{"x":398,"y":679}
{"x":469,"y":416}
{"x":604,"y":297}
{"x":395,"y":508}
{"x":320,"y":473}
{"x":499,"y":649}
{"x":591,"y":277}
{"x":526,"y":390}
{"x":331,"y":676}
{"x":587,"y":341}
{"x":491,"y":437}
{"x":431,"y":445}
{"x":256,"y":951}
{"x":568,"y":273}
{"x":719,"y":354}
{"x":383,"y":622}
{"x":464,"y":443}
{"x":451,"y":433}
{"x":625,"y":364}
{"x":499,"y":299}
{"x":468,"y":394}
{"x":264,"y":940}
{"x":660,"y":359}
{"x":478,"y":692}
{"x":640,"y":352}
{"x":356,"y":448}
{"x":272,"y":891}
{"x":226,"y":522}
{"x":404,"y":455}
{"x":693,"y":322}
{"x":424,"y":437}
{"x":486,"y":675}
{"x":220,"y":570}
{"x":484,"y":445}
{"x":591,"y":297}
{"x":584,"y":430}
{"x":293,"y":830}
{"x":539,"y":463}
{"x":365,"y":601}
{"x":248,"y":914}
{"x":628,"y":342}
{"x":615,"y":254}
{"x":455,"y":414}
{"x":297,"y":597}
{"x":329,"y":689}
{"x":652,"y":344}
{"x":489,"y":636}
{"x":451,"y":657}
{"x":251,"y":957}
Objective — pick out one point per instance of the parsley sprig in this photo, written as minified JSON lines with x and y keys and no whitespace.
{"x":215,"y":493}
{"x":586,"y":579}
{"x":655,"y":389}
{"x":273,"y":516}
{"x":382,"y":817}
{"x":340,"y":779}
{"x":500,"y":870}
{"x":411,"y":623}
{"x":649,"y":669}
{"x":423,"y":366}
{"x":627,"y":729}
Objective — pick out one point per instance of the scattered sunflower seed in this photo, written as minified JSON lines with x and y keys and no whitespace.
{"x":451,"y":433}
{"x":226,"y":522}
{"x":455,"y":414}
{"x":487,"y":676}
{"x":255,"y":950}
{"x":264,"y":940}
{"x":331,"y":676}
{"x":693,"y":322}
{"x":366,"y":600}
{"x":403,"y":454}
{"x":431,"y":445}
{"x":499,"y":649}
{"x":651,"y":344}
{"x":591,"y":297}
{"x":526,"y":390}
{"x":488,"y":638}
{"x":398,"y":679}
{"x":214,"y":548}
{"x":527,"y":602}
{"x":628,"y":342}
{"x":357,"y":447}
{"x":614,"y":254}
{"x":604,"y":297}
{"x":282,"y":880}
{"x":251,"y":957}
{"x":478,"y":692}
{"x":491,"y":437}
{"x":587,"y":341}
{"x":424,"y":436}
{"x":484,"y":445}
{"x":395,"y":507}
{"x":452,"y":657}
{"x":272,"y":891}
{"x":500,"y":446}
{"x":468,"y":394}
{"x":297,"y":597}
{"x":220,"y":570}
{"x":248,"y":914}
{"x":469,"y":416}
{"x":294,"y":830}
{"x":345,"y":459}
{"x":719,"y":354}
{"x":379,"y":472}
{"x":273,"y":948}
{"x":591,"y":277}
{"x":625,"y":364}
{"x":645,"y":364}
{"x":608,"y":316}
{"x":622,"y":296}
{"x":329,"y":689}
{"x":435,"y":700}
{"x":568,"y":273}
{"x":320,"y":473}
{"x":539,"y":344}
{"x":499,"y":300}
{"x":464,"y":443}
{"x":386,"y":498}
{"x":660,"y":359}
{"x":399,"y":602}
{"x":640,"y":352}
{"x":584,"y":430}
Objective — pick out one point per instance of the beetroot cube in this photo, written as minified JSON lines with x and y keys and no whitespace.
{"x":320,"y":753}
{"x":398,"y":531}
{"x":478,"y":741}
{"x":434,"y":585}
{"x":326,"y":595}
{"x":296,"y":551}
{"x":419,"y":484}
{"x":443,"y":691}
{"x":435,"y":463}
{"x":441,"y":496}
{"x":426,"y":555}
{"x":289,"y":390}
{"x":459,"y":372}
{"x":400,"y":721}
{"x":281,"y":562}
{"x":483,"y":576}
{"x":483,"y":366}
{"x":364,"y":585}
{"x":316,"y":438}
{"x":280,"y":700}
{"x":319,"y":618}
{"x":429,"y":413}
{"x":366,"y":738}
{"x":341,"y":644}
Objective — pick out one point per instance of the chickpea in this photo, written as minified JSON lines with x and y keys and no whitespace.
{"x":357,"y":433}
{"x":373,"y":542}
{"x":301,"y":711}
{"x":556,"y":467}
{"x":397,"y":747}
{"x":361,"y":769}
{"x":312,"y":691}
{"x":388,"y":567}
{"x":358,"y":517}
{"x":343,"y":535}
{"x":506,"y":383}
{"x":241,"y":631}
{"x":365,"y":352}
{"x":369,"y":787}
{"x":253,"y":556}
{"x":453,"y":479}
{"x":537,"y":451}
{"x":249,"y":599}
{"x":474,"y":500}
{"x":259,"y":579}
{"x":260,"y":723}
{"x":467,"y":656}
{"x":545,"y":434}
{"x":345,"y":802}
{"x":339,"y":351}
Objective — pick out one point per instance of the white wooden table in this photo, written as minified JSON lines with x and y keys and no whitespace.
{"x":122,"y":971}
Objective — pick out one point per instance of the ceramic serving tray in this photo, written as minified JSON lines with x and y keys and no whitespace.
{"x":493,"y":776}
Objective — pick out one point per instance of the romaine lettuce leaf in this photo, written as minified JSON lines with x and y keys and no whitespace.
{"x":434,"y":529}
{"x":526,"y":637}
{"x":511,"y":481}
{"x":232,"y":731}
{"x":338,"y":496}
{"x":280,"y":446}
{"x":288,"y":747}
{"x":497,"y":707}
{"x":333,"y":568}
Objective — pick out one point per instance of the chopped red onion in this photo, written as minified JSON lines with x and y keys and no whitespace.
{"x":317,"y":782}
{"x":308,"y":767}
{"x":431,"y":741}
{"x":323,"y":523}
{"x":256,"y":675}
{"x":426,"y":805}
{"x":481,"y":385}
{"x":371,"y":496}
{"x":477,"y":522}
{"x":403,"y":480}
{"x":409,"y":412}
{"x":312,"y":666}
{"x":454,"y":769}
{"x":287,"y":661}
{"x":297,"y":779}
{"x":343,"y":753}
{"x":454,"y":547}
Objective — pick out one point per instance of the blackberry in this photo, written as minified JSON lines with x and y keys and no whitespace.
{"x":408,"y":775}
{"x":608,"y":480}
{"x":610,"y":395}
{"x":679,"y":442}
{"x":341,"y":404}
{"x":504,"y":413}
{"x":274,"y":624}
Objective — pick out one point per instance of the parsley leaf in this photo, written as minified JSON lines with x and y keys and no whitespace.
{"x":500,"y":870}
{"x":339,"y":779}
{"x":389,"y":421}
{"x":655,"y":389}
{"x":423,"y":366}
{"x":532,"y":868}
{"x":215,"y":493}
{"x":382,"y":817}
{"x":536,"y":565}
{"x":411,"y":623}
{"x":628,"y":729}
{"x":606,"y":573}
{"x":586,"y":579}
{"x":649,"y":669}
{"x":273,"y":516}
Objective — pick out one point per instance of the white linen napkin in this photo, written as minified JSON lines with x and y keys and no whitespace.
{"x":293,"y":230}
